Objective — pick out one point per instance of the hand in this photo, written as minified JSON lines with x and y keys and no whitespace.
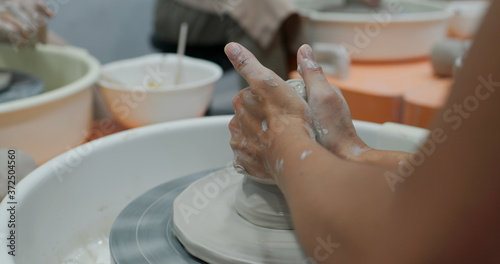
{"x":329,"y":109}
{"x":21,"y":21}
{"x":266,"y":111}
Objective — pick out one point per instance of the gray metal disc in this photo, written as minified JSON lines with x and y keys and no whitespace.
{"x":138,"y":234}
{"x":21,"y":85}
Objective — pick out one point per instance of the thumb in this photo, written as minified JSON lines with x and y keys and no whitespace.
{"x":312,"y":73}
{"x":250,"y":68}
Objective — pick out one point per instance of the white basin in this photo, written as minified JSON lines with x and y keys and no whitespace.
{"x":398,"y":30}
{"x":50,"y":123}
{"x":133,"y":94}
{"x":77,"y":195}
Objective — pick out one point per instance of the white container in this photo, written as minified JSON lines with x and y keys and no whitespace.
{"x":50,"y":123}
{"x":467,"y":17}
{"x":131,"y":92}
{"x":76,"y":196}
{"x":398,"y":30}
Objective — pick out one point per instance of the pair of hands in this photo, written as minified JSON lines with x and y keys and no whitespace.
{"x":21,"y":20}
{"x":269,"y":112}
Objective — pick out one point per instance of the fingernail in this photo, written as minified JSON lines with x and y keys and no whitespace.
{"x":307,"y":54}
{"x":299,"y":69}
{"x":232,"y":51}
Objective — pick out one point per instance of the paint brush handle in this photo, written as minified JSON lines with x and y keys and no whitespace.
{"x":181,"y":48}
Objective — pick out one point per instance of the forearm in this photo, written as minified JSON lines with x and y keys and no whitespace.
{"x":354,"y":149}
{"x":386,"y":159}
{"x":331,"y":199}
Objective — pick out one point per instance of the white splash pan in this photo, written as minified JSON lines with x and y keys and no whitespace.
{"x":79,"y":193}
{"x":50,"y":123}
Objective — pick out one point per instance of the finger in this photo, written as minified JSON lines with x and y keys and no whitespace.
{"x":42,"y":15}
{"x":6,"y":31}
{"x":43,"y":9}
{"x":310,"y":70}
{"x":13,"y":24}
{"x":19,"y":15}
{"x":242,"y":100}
{"x":241,"y":108}
{"x":248,"y":118}
{"x":251,"y":121}
{"x":21,"y":11}
{"x":250,"y":101}
{"x":237,"y":101}
{"x":235,"y":128}
{"x":250,"y":68}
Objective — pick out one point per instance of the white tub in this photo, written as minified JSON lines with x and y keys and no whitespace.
{"x":77,"y":195}
{"x":125,"y":86}
{"x":48,"y":124}
{"x":400,"y":30}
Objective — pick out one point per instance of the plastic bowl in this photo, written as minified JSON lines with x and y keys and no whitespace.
{"x":134,"y":95}
{"x":50,"y":123}
{"x":397,"y":30}
{"x":75,"y":197}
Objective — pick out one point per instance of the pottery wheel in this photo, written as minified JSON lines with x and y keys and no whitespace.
{"x":142,"y":232}
{"x":20,"y":85}
{"x":202,"y":221}
{"x":206,"y":222}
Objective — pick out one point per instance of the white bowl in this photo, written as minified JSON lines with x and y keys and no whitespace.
{"x":50,"y":123}
{"x":59,"y":210}
{"x":399,"y":30}
{"x":467,"y":17}
{"x":131,"y":92}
